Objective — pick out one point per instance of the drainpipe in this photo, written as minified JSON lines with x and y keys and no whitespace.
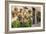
{"x":33,"y":15}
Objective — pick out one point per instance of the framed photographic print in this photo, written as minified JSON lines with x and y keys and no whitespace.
{"x":24,"y":17}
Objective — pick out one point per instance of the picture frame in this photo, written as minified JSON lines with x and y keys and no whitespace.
{"x":8,"y":5}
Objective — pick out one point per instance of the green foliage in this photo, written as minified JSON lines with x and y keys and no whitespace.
{"x":30,"y":22}
{"x":17,"y":24}
{"x":25,"y":24}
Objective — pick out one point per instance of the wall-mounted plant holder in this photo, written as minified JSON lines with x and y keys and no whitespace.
{"x":24,"y":16}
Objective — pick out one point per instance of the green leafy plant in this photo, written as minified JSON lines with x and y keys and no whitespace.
{"x":15,"y":24}
{"x":30,"y":22}
{"x":26,"y":24}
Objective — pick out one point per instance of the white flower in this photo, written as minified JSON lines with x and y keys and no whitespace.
{"x":14,"y":19}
